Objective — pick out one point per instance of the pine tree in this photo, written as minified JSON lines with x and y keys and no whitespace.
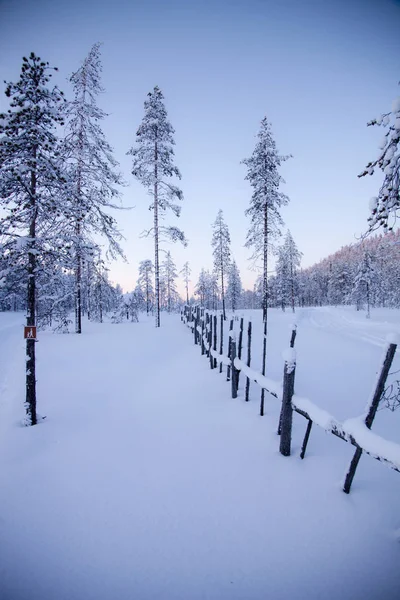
{"x":220,"y":243}
{"x":288,"y":262}
{"x":92,"y":170}
{"x":363,"y":282}
{"x":234,"y":290}
{"x":169,"y":274}
{"x":30,"y":181}
{"x":185,"y":272}
{"x":207,"y":290}
{"x":385,"y":207}
{"x":145,"y":283}
{"x":153,"y":165}
{"x":262,"y":173}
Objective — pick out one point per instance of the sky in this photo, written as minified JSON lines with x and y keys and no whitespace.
{"x":319,"y":70}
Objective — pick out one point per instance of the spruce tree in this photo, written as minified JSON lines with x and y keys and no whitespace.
{"x":93,"y":172}
{"x":169,"y":274}
{"x":185,"y":272}
{"x":288,"y":262}
{"x":363,"y":283}
{"x":266,"y":200}
{"x":220,"y":243}
{"x":234,"y":289}
{"x":145,"y":282}
{"x":31,"y":182}
{"x":153,"y":165}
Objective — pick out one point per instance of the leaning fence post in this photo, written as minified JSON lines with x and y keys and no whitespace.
{"x":233,"y":368}
{"x":248,"y":360}
{"x":221,"y":341}
{"x":287,"y":409}
{"x":305,"y":441}
{"x":228,"y":369}
{"x":372,"y":407}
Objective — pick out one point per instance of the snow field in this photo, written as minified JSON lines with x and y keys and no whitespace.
{"x":146,"y":480}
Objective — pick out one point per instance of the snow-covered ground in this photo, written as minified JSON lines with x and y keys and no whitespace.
{"x":147,"y":481}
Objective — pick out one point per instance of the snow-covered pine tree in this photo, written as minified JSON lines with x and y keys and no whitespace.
{"x":220,"y":243}
{"x":92,"y":170}
{"x":153,"y":165}
{"x":340,"y":283}
{"x":289,"y":259}
{"x":266,"y":200}
{"x":234,"y":289}
{"x":385,"y":207}
{"x":264,"y":178}
{"x":185,"y":272}
{"x":31,"y":181}
{"x":207,"y":290}
{"x":168,"y":275}
{"x":145,"y":282}
{"x":363,"y":283}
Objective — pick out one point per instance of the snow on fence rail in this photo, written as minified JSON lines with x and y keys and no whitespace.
{"x":356,"y":431}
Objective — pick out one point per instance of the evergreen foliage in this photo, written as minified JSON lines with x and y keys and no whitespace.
{"x":153,"y":165}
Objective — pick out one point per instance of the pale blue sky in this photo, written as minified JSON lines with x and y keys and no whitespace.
{"x":319,"y":70}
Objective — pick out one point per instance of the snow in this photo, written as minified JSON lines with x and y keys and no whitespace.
{"x":289,"y":356}
{"x":393,"y":338}
{"x":317,"y":415}
{"x":396,"y":105}
{"x":373,"y":203}
{"x":372,"y":443}
{"x":147,"y":480}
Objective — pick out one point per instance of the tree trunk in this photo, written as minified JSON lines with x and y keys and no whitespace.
{"x":156,"y":243}
{"x":265,"y":304}
{"x":31,"y":306}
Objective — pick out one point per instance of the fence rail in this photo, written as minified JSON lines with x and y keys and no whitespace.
{"x":356,"y":431}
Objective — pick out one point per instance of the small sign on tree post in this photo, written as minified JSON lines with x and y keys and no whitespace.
{"x":30,"y":332}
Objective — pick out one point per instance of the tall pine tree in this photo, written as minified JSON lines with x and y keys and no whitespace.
{"x":92,"y":170}
{"x":220,"y":243}
{"x":31,"y":182}
{"x":145,"y":282}
{"x":153,"y":165}
{"x":266,"y":200}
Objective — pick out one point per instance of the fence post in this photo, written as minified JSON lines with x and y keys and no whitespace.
{"x":248,"y":360}
{"x":305,"y":441}
{"x":233,"y":368}
{"x":207,"y":327}
{"x":196,"y":322}
{"x":287,"y":409}
{"x":210,"y":336}
{"x":240,"y":343}
{"x":372,"y":407}
{"x":228,"y":369}
{"x":202,"y":335}
{"x":215,"y":339}
{"x":292,"y":339}
{"x":221,"y":341}
{"x":264,"y":355}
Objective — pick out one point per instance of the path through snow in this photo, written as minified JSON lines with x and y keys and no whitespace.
{"x":147,"y":481}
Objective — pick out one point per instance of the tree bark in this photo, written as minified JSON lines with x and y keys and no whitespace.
{"x":156,"y":242}
{"x":31,"y":305}
{"x":265,"y":304}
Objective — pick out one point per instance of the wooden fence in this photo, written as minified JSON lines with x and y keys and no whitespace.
{"x":204,"y":326}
